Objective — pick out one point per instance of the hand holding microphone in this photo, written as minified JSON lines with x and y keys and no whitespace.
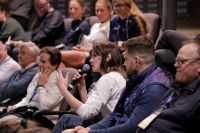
{"x":84,"y":70}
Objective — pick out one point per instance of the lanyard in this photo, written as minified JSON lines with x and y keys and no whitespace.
{"x":34,"y":93}
{"x":169,"y":100}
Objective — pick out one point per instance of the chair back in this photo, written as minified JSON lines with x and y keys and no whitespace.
{"x":155,"y":23}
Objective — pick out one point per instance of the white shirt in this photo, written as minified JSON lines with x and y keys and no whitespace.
{"x":104,"y":96}
{"x":7,"y":68}
{"x":46,"y":98}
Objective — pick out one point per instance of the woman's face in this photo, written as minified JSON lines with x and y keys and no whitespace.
{"x":75,"y":10}
{"x":95,"y":63}
{"x":121,"y":8}
{"x":102,"y":12}
{"x":45,"y":62}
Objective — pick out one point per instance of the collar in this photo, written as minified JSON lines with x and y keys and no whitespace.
{"x":27,"y":67}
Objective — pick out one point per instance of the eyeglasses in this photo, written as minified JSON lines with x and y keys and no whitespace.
{"x":119,"y":5}
{"x":180,"y":62}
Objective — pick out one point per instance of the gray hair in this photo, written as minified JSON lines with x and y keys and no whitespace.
{"x":33,"y":48}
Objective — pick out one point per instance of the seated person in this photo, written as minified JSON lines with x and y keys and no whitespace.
{"x":9,"y":27}
{"x":127,"y":23}
{"x":50,"y":26}
{"x":42,"y":91}
{"x":7,"y":65}
{"x":107,"y":60}
{"x":167,"y":48}
{"x":98,"y":33}
{"x":179,"y":112}
{"x":143,"y":93}
{"x":79,"y":25}
{"x":15,"y":88}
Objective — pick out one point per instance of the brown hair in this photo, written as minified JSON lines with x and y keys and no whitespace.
{"x":107,"y":3}
{"x":54,"y":54}
{"x":115,"y":63}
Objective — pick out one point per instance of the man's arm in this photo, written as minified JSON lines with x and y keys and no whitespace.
{"x":15,"y":88}
{"x":148,"y":102}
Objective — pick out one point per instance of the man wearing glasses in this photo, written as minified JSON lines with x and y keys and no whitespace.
{"x":180,"y":111}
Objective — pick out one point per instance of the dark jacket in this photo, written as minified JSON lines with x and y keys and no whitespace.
{"x":75,"y":31}
{"x":50,"y":29}
{"x":16,"y":86}
{"x":142,"y":95}
{"x":182,"y":115}
{"x":122,"y":30}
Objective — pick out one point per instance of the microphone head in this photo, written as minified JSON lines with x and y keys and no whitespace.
{"x":85,"y":68}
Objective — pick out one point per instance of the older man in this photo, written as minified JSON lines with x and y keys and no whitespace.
{"x":16,"y":86}
{"x":50,"y":26}
{"x":7,"y":65}
{"x":180,"y":111}
{"x":144,"y":89}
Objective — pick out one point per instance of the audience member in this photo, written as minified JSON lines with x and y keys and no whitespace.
{"x":9,"y":26}
{"x":127,"y":22}
{"x":167,"y":48}
{"x":42,"y":91}
{"x":143,"y":93}
{"x":7,"y":65}
{"x":99,"y":33}
{"x":15,"y":87}
{"x":107,"y":60}
{"x":79,"y":25}
{"x":19,"y":10}
{"x":50,"y":26}
{"x":179,"y":112}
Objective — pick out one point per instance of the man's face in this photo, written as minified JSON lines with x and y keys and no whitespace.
{"x":25,"y":57}
{"x":3,"y":52}
{"x":187,"y":64}
{"x":41,"y":7}
{"x":130,"y":64}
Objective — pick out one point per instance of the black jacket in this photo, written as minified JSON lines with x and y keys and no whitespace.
{"x":50,"y":29}
{"x":183,"y":114}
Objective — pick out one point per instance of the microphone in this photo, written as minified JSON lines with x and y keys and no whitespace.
{"x":85,"y":69}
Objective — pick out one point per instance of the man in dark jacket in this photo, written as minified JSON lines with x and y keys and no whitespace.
{"x":180,"y":111}
{"x":144,"y":89}
{"x":50,"y":26}
{"x":16,"y":86}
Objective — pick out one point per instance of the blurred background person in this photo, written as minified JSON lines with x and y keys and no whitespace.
{"x":49,"y":28}
{"x":79,"y":25}
{"x":99,"y":32}
{"x":128,"y":21}
{"x":9,"y":26}
{"x":7,"y":65}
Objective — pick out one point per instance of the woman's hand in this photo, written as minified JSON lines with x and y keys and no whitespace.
{"x":43,"y":76}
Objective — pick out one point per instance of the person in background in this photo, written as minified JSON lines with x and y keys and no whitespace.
{"x":79,"y":25}
{"x":15,"y":88}
{"x":20,"y":10}
{"x":99,"y":33}
{"x":179,"y":112}
{"x":7,"y":65}
{"x":9,"y":27}
{"x":127,"y":22}
{"x":143,"y":93}
{"x":107,"y":60}
{"x":49,"y":28}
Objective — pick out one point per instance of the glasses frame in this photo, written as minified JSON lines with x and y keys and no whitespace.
{"x":181,"y":62}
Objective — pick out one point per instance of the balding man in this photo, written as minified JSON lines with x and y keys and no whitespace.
{"x":180,"y":112}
